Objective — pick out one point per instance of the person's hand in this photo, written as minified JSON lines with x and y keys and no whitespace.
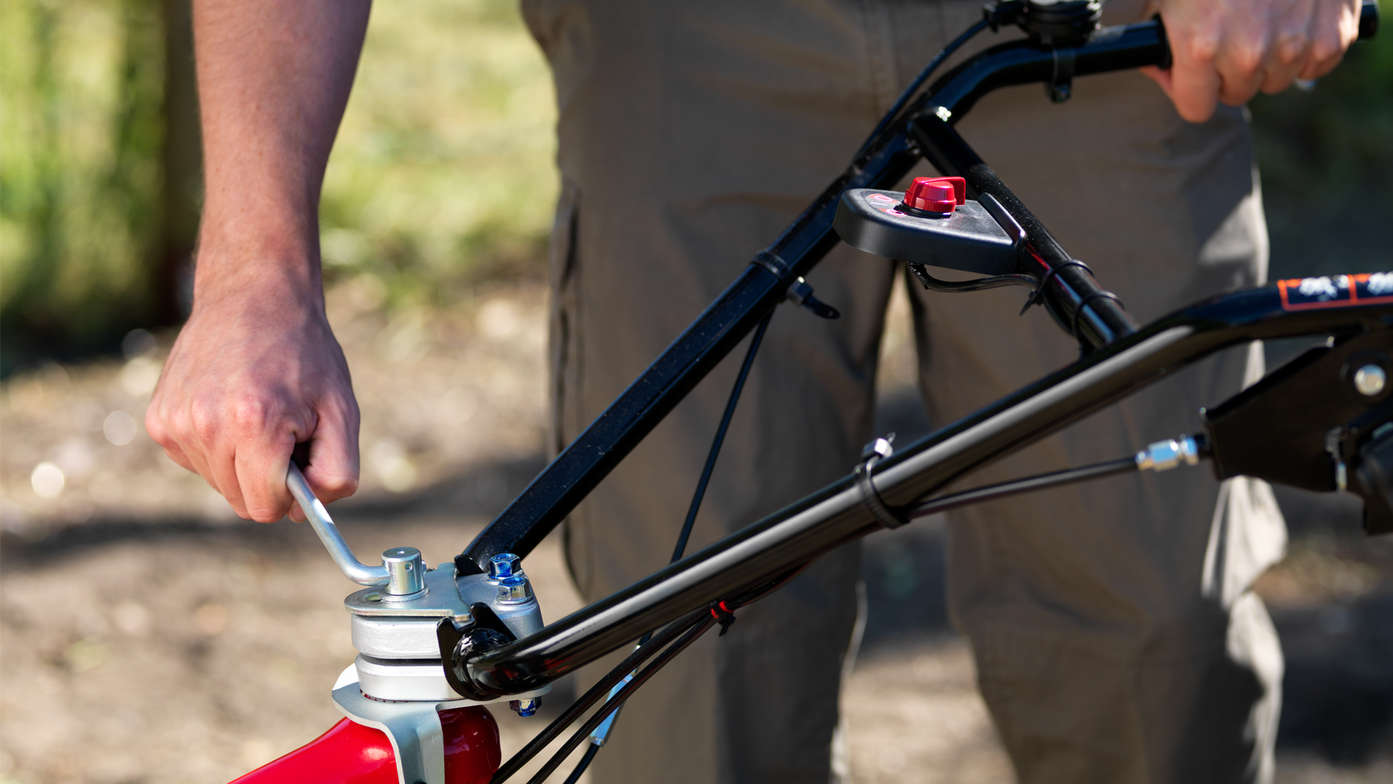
{"x":1227,"y":50}
{"x":256,"y":370}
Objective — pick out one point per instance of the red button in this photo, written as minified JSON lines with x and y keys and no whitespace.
{"x":936,"y":194}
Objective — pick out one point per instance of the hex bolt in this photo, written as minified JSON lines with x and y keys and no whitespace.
{"x":1370,"y":380}
{"x":406,"y":573}
{"x":505,"y":570}
{"x":525,"y":708}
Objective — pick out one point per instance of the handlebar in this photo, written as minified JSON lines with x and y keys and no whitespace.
{"x":1071,"y":295}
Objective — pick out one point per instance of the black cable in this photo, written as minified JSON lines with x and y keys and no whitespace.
{"x":648,"y":671}
{"x":975,"y":284}
{"x":601,"y":687}
{"x":918,"y":82}
{"x":681,"y":546}
{"x":584,"y":763}
{"x":703,"y":481}
{"x":1024,"y":485}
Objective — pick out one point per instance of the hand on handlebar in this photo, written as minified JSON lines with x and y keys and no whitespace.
{"x":256,"y":370}
{"x":1228,"y":51}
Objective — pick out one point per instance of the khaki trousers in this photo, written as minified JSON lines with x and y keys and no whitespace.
{"x":1113,"y":628}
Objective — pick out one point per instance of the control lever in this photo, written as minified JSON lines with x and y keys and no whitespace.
{"x":401,"y":572}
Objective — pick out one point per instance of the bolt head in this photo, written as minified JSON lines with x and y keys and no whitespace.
{"x":525,"y":708}
{"x":1370,"y":380}
{"x":503,"y":566}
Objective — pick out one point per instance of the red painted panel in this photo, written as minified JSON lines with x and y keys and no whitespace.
{"x":350,"y":753}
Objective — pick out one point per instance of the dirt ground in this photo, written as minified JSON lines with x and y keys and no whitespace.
{"x":149,"y":636}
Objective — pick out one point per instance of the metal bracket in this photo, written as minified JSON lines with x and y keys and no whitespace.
{"x":412,"y":727}
{"x":874,"y":452}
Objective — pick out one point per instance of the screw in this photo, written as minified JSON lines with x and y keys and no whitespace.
{"x":502,"y":566}
{"x":1370,"y":380}
{"x":525,"y":708}
{"x":505,"y":570}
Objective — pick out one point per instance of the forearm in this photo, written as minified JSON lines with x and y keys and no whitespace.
{"x":273,"y":79}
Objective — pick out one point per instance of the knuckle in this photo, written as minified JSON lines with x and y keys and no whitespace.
{"x":1246,"y":56}
{"x":203,"y":421}
{"x":1201,"y":48}
{"x":340,"y":486}
{"x":1327,"y":50}
{"x":1290,"y":48}
{"x":251,"y":413}
{"x":156,"y":428}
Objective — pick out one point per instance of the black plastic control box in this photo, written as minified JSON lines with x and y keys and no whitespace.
{"x":976,"y":236}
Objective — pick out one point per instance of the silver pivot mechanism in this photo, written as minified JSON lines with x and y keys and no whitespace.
{"x":397,"y":683}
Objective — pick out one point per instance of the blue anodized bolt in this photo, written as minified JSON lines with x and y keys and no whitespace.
{"x":506,"y":572}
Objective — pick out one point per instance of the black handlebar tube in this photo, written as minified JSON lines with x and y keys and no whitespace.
{"x":835,"y":514}
{"x":761,"y":287}
{"x":838,"y":513}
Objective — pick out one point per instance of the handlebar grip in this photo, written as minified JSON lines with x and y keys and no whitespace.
{"x":1368,"y":20}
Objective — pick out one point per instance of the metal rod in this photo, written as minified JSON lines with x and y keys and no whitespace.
{"x":837,"y":513}
{"x":1122,"y":465}
{"x":328,"y":533}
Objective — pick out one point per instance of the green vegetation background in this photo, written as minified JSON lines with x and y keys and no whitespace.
{"x":442,"y":175}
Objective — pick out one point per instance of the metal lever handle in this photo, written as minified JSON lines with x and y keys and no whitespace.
{"x":328,"y":533}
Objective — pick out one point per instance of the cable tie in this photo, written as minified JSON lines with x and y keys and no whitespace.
{"x":1037,"y":297}
{"x":723,"y":616}
{"x":1074,"y":326}
{"x":874,"y":452}
{"x":772,"y":262}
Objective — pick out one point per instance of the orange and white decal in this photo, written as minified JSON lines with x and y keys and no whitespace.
{"x":1368,"y":288}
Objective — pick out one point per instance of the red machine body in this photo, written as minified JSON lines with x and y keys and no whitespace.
{"x":351,"y":753}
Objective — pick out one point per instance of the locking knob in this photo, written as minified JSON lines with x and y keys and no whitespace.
{"x":939,"y":195}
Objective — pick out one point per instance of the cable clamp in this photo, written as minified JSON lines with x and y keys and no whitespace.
{"x":1037,"y":297}
{"x":771,"y":261}
{"x":1061,"y":83}
{"x":875,"y":452}
{"x":1085,"y":302}
{"x":801,"y":293}
{"x":723,"y":616}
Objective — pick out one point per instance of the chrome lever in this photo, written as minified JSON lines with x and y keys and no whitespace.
{"x":328,"y":533}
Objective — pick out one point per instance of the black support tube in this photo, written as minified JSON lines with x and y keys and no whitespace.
{"x":1072,"y":297}
{"x":837,"y":514}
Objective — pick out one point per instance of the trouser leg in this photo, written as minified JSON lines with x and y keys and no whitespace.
{"x":691,"y":135}
{"x":688,"y":142}
{"x":1114,"y":631}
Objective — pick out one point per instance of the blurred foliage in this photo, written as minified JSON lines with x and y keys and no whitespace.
{"x":441,"y":177}
{"x":1326,"y":157}
{"x":80,"y":136}
{"x":443,"y":174}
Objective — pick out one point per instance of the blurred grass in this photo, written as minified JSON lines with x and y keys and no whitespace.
{"x":442,"y":176}
{"x":443,"y":172}
{"x":80,"y":131}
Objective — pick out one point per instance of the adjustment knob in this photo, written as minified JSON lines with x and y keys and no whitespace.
{"x":935,"y":194}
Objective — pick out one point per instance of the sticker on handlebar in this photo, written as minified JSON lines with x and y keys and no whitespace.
{"x":1333,"y":290}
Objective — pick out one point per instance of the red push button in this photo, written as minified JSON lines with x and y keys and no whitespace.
{"x":936,"y":194}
